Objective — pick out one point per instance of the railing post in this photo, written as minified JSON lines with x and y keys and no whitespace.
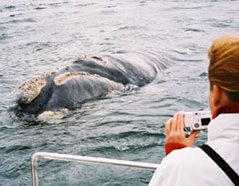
{"x":35,"y":181}
{"x":82,"y":159}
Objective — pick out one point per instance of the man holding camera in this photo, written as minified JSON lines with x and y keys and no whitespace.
{"x":216,"y":162}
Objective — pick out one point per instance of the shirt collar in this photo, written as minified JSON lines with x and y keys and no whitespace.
{"x":224,"y":126}
{"x":228,"y":108}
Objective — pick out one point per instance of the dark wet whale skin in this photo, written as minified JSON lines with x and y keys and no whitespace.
{"x":100,"y":75}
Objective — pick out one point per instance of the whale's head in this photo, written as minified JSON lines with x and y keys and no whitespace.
{"x":33,"y":95}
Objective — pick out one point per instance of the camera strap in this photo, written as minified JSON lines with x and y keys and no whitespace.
{"x":221,"y":163}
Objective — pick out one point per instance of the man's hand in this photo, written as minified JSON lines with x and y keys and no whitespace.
{"x":175,"y":133}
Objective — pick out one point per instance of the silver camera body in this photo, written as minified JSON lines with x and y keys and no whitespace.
{"x":197,"y":120}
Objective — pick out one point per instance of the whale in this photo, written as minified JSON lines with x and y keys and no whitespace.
{"x":85,"y":79}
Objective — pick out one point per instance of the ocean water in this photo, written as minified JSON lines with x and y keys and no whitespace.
{"x":39,"y":36}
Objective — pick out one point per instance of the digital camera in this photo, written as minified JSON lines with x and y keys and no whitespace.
{"x":197,"y":120}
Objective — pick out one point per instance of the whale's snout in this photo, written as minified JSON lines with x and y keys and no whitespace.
{"x":22,"y":99}
{"x":28,"y":91}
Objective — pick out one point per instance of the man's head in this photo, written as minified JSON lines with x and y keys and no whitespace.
{"x":223,"y":71}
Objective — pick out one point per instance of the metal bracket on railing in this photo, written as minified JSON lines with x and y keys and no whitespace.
{"x":86,"y":159}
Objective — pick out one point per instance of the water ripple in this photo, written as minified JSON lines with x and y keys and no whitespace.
{"x":39,"y":36}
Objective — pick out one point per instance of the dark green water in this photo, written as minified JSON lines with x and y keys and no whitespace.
{"x":38,"y":36}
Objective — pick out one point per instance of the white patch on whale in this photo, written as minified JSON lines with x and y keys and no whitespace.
{"x":52,"y":116}
{"x":63,"y":78}
{"x":29,"y":90}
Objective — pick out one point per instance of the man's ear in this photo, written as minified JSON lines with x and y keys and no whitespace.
{"x":216,"y":95}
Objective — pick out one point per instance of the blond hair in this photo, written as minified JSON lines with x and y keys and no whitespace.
{"x":223,"y":69}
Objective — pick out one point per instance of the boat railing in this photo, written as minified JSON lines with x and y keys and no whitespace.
{"x":83,"y":159}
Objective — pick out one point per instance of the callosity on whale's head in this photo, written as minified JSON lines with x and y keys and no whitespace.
{"x":32,"y":95}
{"x":28,"y":91}
{"x":63,"y":90}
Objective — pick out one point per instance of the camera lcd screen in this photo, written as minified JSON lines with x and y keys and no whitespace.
{"x":205,"y":121}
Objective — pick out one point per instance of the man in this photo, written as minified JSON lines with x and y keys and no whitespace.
{"x":185,"y":165}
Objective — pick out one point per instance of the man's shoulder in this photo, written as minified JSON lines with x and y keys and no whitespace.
{"x":188,"y":166}
{"x":186,"y":157}
{"x":181,"y":167}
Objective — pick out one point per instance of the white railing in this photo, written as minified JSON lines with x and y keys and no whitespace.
{"x":82,"y":159}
